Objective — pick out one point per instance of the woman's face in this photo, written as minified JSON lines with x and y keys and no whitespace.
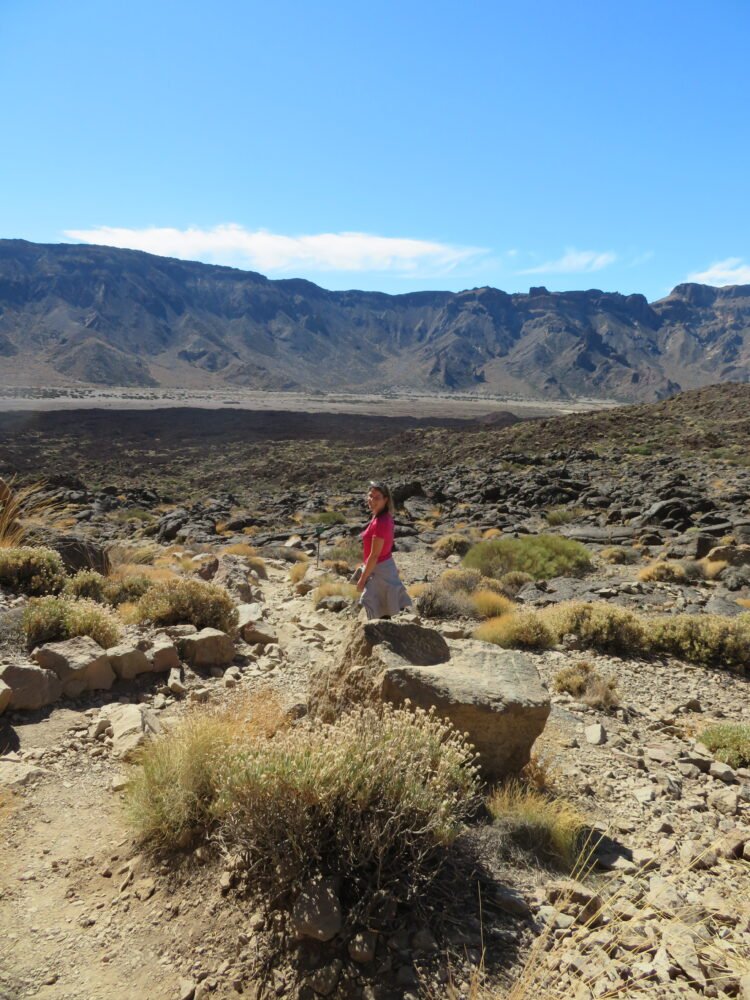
{"x":375,"y":500}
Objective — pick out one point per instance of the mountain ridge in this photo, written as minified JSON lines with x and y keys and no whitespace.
{"x":83,"y":314}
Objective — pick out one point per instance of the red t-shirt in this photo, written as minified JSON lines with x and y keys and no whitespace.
{"x":379,"y":527}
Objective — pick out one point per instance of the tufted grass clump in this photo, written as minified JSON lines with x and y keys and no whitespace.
{"x":31,"y":570}
{"x":549,"y":828}
{"x":519,"y":630}
{"x":298,"y":570}
{"x":438,"y":601}
{"x":599,"y":625}
{"x":333,"y":588}
{"x":53,"y":619}
{"x":581,"y":680}
{"x":710,"y":640}
{"x":619,"y":555}
{"x":456,"y":580}
{"x":541,"y":556}
{"x":556,"y":516}
{"x":451,"y":545}
{"x":377,"y":797}
{"x":663,"y":571}
{"x":86,"y":583}
{"x":188,"y":602}
{"x":729,"y":741}
{"x":126,"y":588}
{"x":488,"y":604}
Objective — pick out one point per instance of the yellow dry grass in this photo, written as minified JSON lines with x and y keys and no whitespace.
{"x":20,"y":508}
{"x":333,"y":588}
{"x":298,"y":570}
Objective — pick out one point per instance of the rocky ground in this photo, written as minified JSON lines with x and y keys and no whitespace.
{"x":85,"y":914}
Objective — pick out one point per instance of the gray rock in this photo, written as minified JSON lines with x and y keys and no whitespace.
{"x":251,"y":626}
{"x":163,"y":655}
{"x":131,"y":727}
{"x":233,"y":574}
{"x":31,"y":686}
{"x":317,"y":911}
{"x":80,"y":663}
{"x":595,"y":734}
{"x":128,"y":661}
{"x":723,"y":772}
{"x":5,"y":696}
{"x":208,"y":648}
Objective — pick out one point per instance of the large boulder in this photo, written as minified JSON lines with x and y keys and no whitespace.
{"x":234,"y":575}
{"x":162,"y":655}
{"x":5,"y":695}
{"x":494,"y":695}
{"x":77,"y":551}
{"x":128,"y":661}
{"x":252,"y":627}
{"x":80,"y":663}
{"x":735,"y":555}
{"x":31,"y":687}
{"x":208,"y":648}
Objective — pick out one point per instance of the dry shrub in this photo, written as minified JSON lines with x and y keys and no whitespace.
{"x":333,"y":588}
{"x":170,"y":799}
{"x":188,"y":602}
{"x":602,"y":626}
{"x":488,"y":604}
{"x":491,"y":533}
{"x":20,"y":505}
{"x":663,"y":570}
{"x":549,"y":828}
{"x":86,"y":583}
{"x":619,"y":555}
{"x":328,"y":517}
{"x":249,"y":553}
{"x":376,"y":797}
{"x":512,"y":582}
{"x":744,"y":602}
{"x":729,"y":741}
{"x":519,"y":630}
{"x":436,"y":601}
{"x":451,"y":545}
{"x":542,"y":556}
{"x":31,"y":570}
{"x":349,"y":552}
{"x":583,"y":681}
{"x":125,"y":588}
{"x":556,"y":516}
{"x":139,"y":553}
{"x":298,"y":570}
{"x":53,"y":619}
{"x":708,"y":639}
{"x":713,"y":568}
{"x":455,"y":580}
{"x":337,"y":566}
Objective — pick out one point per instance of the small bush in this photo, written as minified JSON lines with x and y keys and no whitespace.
{"x":328,"y":517}
{"x":188,"y":602}
{"x":377,"y":798}
{"x":542,"y":556}
{"x":710,"y":640}
{"x":436,"y":601}
{"x":599,"y":625}
{"x":520,"y":630}
{"x":348,"y":552}
{"x":126,"y":589}
{"x":298,"y":570}
{"x":663,"y":571}
{"x":490,"y":605}
{"x":581,"y":680}
{"x":556,"y":516}
{"x":730,"y":742}
{"x":86,"y":583}
{"x":512,"y":582}
{"x":551,"y":829}
{"x":53,"y":619}
{"x":451,"y":545}
{"x":456,"y":580}
{"x":337,"y":566}
{"x":333,"y":588}
{"x":619,"y":555}
{"x":31,"y":570}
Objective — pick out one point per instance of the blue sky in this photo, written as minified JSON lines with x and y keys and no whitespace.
{"x":395,"y":146}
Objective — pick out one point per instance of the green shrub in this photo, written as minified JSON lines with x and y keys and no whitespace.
{"x":451,"y":545}
{"x":188,"y":602}
{"x":86,"y":583}
{"x":542,"y":556}
{"x":348,"y":552}
{"x":53,"y":619}
{"x":519,"y":630}
{"x":126,"y":589}
{"x":31,"y":570}
{"x":729,"y":741}
{"x":376,"y":797}
{"x":605,"y":627}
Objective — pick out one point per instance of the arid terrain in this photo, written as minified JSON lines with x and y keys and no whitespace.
{"x":581,"y":589}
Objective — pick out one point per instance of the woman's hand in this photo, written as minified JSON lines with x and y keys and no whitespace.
{"x":361,"y":584}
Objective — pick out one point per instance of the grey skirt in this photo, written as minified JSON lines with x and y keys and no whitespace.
{"x":384,"y":593}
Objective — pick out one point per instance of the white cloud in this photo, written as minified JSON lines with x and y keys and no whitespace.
{"x":732,"y":271}
{"x":574,"y":262}
{"x":265,"y":251}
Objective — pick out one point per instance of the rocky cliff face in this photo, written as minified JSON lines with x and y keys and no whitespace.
{"x":96,"y":315}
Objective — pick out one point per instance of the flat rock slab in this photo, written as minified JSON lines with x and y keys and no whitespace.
{"x":208,"y":648}
{"x":16,"y":774}
{"x":80,"y":663}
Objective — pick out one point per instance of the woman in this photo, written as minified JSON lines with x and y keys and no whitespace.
{"x":383,"y":594}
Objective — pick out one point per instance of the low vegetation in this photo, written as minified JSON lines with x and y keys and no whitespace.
{"x":328,"y":517}
{"x":551,"y":829}
{"x":53,"y":619}
{"x":488,"y":604}
{"x":86,"y":583}
{"x":599,"y":625}
{"x":376,"y":797}
{"x":557,"y":516}
{"x":520,"y":630}
{"x":619,"y":555}
{"x":581,"y":680}
{"x":451,"y":545}
{"x":20,"y":506}
{"x":333,"y":588}
{"x":31,"y":570}
{"x":729,"y":741}
{"x":437,"y":601}
{"x":186,"y":601}
{"x":298,"y":570}
{"x":541,"y":556}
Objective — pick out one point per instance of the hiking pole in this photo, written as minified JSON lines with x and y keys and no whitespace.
{"x":319,"y":529}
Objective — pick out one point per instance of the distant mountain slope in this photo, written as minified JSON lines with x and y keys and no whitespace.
{"x":73,"y":314}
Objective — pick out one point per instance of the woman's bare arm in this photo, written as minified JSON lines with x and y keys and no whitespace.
{"x":377,"y":548}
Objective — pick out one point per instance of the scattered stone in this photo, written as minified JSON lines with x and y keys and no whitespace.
{"x":317,"y":912}
{"x":163,"y":655}
{"x":80,"y":663}
{"x":595,"y":734}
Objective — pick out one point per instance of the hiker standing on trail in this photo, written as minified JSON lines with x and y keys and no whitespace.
{"x":383,"y":593}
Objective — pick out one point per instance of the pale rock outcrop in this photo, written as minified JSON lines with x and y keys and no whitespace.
{"x":128,"y":661}
{"x":131,"y":726}
{"x":31,"y":686}
{"x":234,"y":575}
{"x":80,"y":663}
{"x":208,"y":648}
{"x":494,"y":695}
